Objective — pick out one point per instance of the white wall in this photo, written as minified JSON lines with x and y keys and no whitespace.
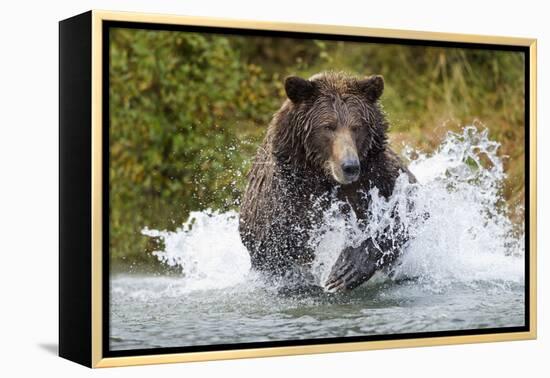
{"x":28,"y":200}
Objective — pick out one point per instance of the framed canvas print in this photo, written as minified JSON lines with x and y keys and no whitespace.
{"x":234,"y":189}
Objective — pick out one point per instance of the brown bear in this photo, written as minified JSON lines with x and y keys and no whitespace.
{"x":326,"y":143}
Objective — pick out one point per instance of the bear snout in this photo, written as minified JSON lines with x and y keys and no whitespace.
{"x":351,"y":169}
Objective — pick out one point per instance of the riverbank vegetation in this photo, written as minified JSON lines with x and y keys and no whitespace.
{"x":188,"y":110}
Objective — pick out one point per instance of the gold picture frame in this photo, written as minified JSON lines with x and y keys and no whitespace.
{"x":81,"y":274}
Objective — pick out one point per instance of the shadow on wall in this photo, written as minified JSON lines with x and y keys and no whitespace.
{"x":51,"y":348}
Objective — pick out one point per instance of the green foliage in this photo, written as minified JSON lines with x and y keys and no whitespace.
{"x":180,"y":106}
{"x":188,"y":111}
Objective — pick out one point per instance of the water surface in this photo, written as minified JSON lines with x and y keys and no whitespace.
{"x":152,"y":312}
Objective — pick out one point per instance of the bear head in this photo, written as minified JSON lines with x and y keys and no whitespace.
{"x":331,"y":123}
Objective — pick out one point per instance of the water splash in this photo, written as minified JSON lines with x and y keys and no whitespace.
{"x":467,"y":237}
{"x":208,"y":249}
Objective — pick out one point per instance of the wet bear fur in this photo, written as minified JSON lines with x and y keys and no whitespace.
{"x":328,"y":142}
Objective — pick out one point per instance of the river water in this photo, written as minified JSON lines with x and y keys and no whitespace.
{"x":462,"y":269}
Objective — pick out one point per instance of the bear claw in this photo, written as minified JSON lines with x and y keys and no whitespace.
{"x":350,"y":270}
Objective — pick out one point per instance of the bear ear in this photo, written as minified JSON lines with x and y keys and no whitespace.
{"x":372,"y":87}
{"x":298,"y":89}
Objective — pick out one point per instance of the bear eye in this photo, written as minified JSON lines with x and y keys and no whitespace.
{"x":330,"y":126}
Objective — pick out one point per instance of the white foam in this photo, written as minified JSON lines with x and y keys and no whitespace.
{"x":208,"y":249}
{"x":468,"y":236}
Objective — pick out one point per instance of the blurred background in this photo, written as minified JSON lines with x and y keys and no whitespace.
{"x":188,"y":111}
